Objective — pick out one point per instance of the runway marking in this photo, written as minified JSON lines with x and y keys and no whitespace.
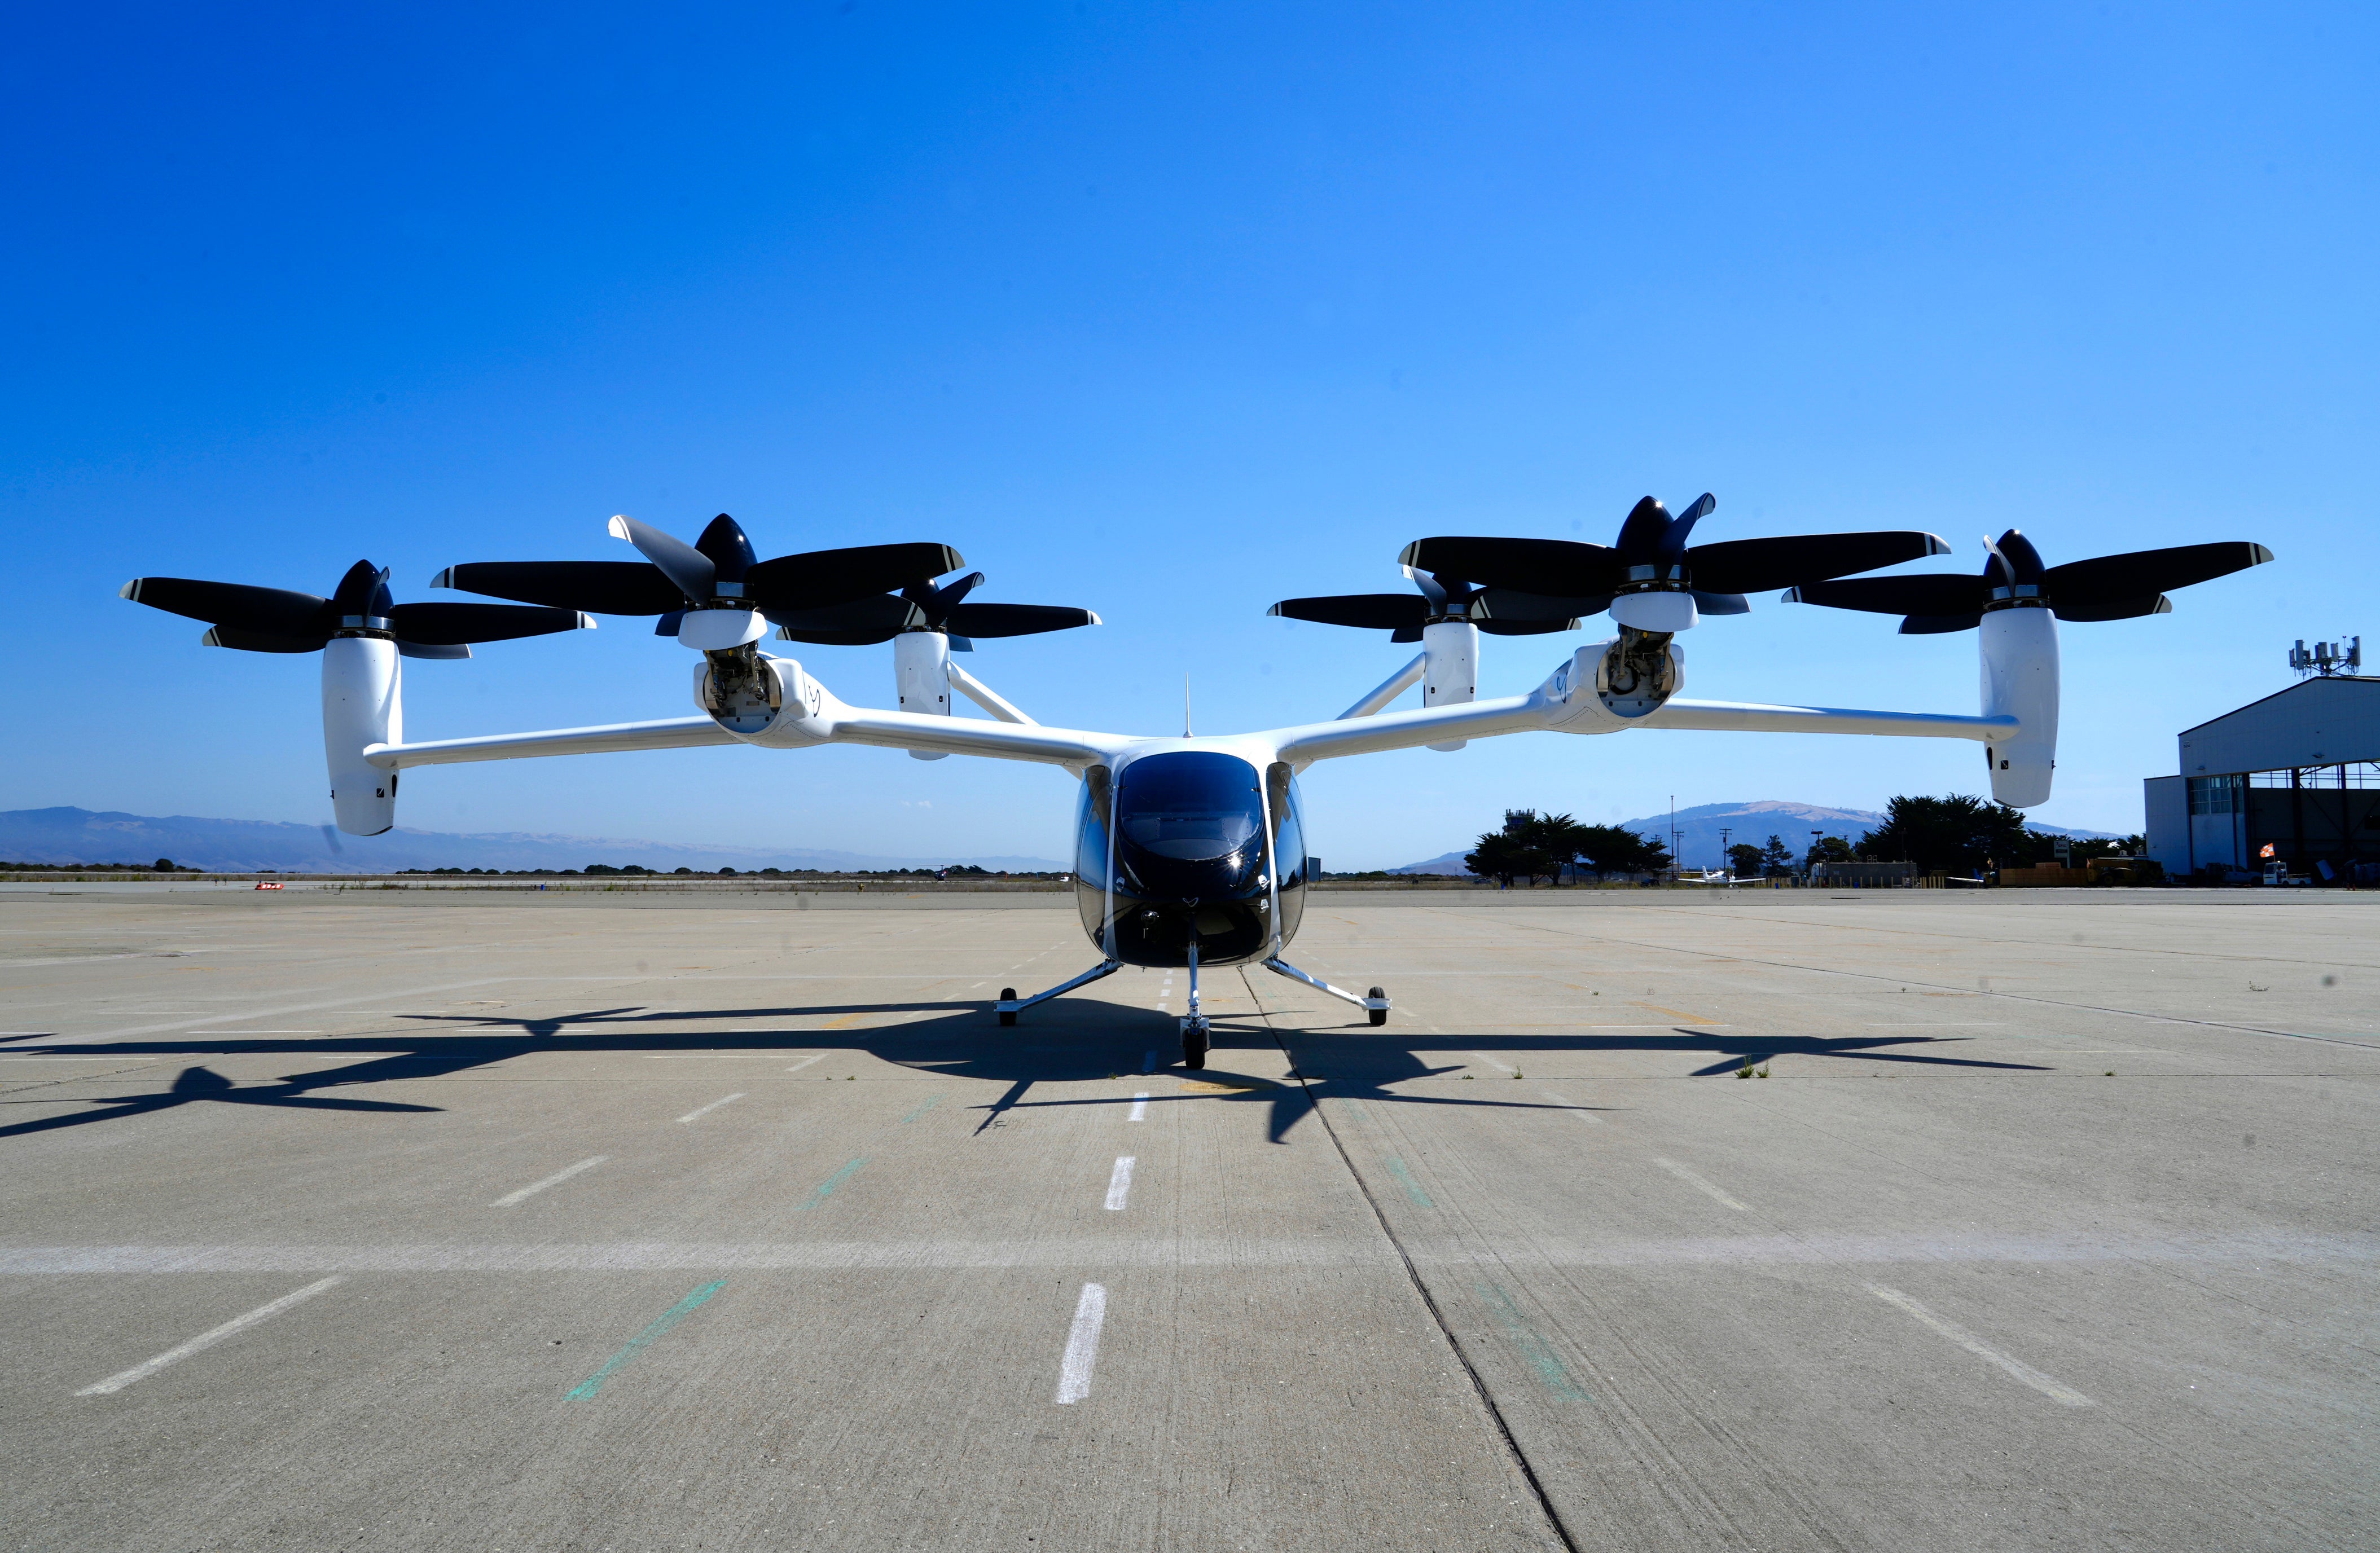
{"x":718,"y":1056}
{"x":705,"y":1110}
{"x":208,"y":1339}
{"x":842,"y":1022}
{"x":1139,"y":1107}
{"x":267,"y":1032}
{"x":1674,"y":1014}
{"x":1534,"y":1347}
{"x":1500,"y":1067}
{"x":1940,"y":1025}
{"x":1405,"y":1180}
{"x":1082,"y":1345}
{"x":1976,"y":1346}
{"x":826,"y":1188}
{"x":813,"y":1057}
{"x":922,"y":1109}
{"x":1698,"y":1183}
{"x":1149,"y":1063}
{"x":2357,"y":1254}
{"x":1586,"y":1116}
{"x":1120,"y":1183}
{"x":556,"y":1179}
{"x":643,"y":1340}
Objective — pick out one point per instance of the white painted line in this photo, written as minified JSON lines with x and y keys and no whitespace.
{"x":1082,"y":1345}
{"x":1120,"y":1183}
{"x":1149,"y":1063}
{"x":1500,"y":1067}
{"x":1698,"y":1183}
{"x":556,"y":1179}
{"x":208,"y":1339}
{"x":705,"y":1110}
{"x":1586,"y":1116}
{"x":1139,"y":1107}
{"x":1976,"y":1346}
{"x":806,"y":1062}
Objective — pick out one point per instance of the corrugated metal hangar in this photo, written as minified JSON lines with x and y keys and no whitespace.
{"x":2293,"y":778}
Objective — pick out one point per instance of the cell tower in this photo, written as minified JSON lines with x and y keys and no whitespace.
{"x":2326,"y":660}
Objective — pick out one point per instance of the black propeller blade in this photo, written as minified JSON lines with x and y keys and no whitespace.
{"x":923,"y":606}
{"x":2105,"y":587}
{"x":2144,"y":574}
{"x":277,"y":619}
{"x":1652,"y":548}
{"x":1370,"y":611}
{"x":719,"y":566}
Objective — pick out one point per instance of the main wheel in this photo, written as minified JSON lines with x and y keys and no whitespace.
{"x":1193,"y":1047}
{"x":1008,"y":995}
{"x":1379,"y":1015}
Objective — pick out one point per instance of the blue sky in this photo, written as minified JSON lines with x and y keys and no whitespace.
{"x":1169,"y":312}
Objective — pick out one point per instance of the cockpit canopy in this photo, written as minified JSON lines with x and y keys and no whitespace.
{"x":1190,"y":826}
{"x":1189,"y":864}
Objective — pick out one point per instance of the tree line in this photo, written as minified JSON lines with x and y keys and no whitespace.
{"x":1957,"y":834}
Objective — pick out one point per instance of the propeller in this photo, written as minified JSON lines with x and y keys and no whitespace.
{"x":711,"y":594}
{"x":1651,"y":577}
{"x":2105,"y":587}
{"x":277,"y":619}
{"x":1441,"y":595}
{"x":922,"y":606}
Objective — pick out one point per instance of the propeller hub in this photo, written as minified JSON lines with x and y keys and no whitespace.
{"x":364,"y":623}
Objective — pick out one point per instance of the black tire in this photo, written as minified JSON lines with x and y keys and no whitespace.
{"x":1008,"y":995}
{"x":1378,"y":1015}
{"x":1193,"y":1048}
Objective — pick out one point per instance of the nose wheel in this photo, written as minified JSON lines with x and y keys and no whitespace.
{"x":1194,"y":1024}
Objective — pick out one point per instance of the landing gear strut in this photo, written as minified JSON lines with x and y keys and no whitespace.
{"x":1375,"y":1006}
{"x":1011,"y":1005}
{"x":1194,"y":1024}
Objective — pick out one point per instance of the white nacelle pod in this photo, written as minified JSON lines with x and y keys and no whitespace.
{"x":362,"y":704}
{"x":1450,"y":674}
{"x":921,"y":676}
{"x":2019,"y":648}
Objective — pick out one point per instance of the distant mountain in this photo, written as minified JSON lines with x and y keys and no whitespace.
{"x":73,"y":835}
{"x":1699,"y":831}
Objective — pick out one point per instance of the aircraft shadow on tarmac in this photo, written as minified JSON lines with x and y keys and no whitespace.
{"x":1065,"y":1041}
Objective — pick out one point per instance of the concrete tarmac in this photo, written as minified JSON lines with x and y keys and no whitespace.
{"x":2043,"y":1218}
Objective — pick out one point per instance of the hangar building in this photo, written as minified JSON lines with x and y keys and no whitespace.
{"x":2298,"y":772}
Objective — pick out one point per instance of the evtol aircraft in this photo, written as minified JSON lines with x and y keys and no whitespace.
{"x":1191,"y":852}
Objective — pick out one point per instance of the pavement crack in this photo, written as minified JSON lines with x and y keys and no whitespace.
{"x":1519,"y":1457}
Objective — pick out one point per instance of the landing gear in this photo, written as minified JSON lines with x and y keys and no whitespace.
{"x":1375,"y":1006}
{"x":1011,"y":1005}
{"x":1194,"y":1024}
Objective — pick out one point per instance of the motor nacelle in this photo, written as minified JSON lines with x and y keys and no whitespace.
{"x":755,"y":696}
{"x":362,"y":704}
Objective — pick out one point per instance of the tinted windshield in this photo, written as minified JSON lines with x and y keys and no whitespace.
{"x":1192,"y":807}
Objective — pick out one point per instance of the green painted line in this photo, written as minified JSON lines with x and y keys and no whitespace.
{"x":1534,"y":1348}
{"x":922,"y":1109}
{"x":1412,"y":1187}
{"x":644,"y":1340}
{"x":1355,"y":1109}
{"x":826,"y":1189}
